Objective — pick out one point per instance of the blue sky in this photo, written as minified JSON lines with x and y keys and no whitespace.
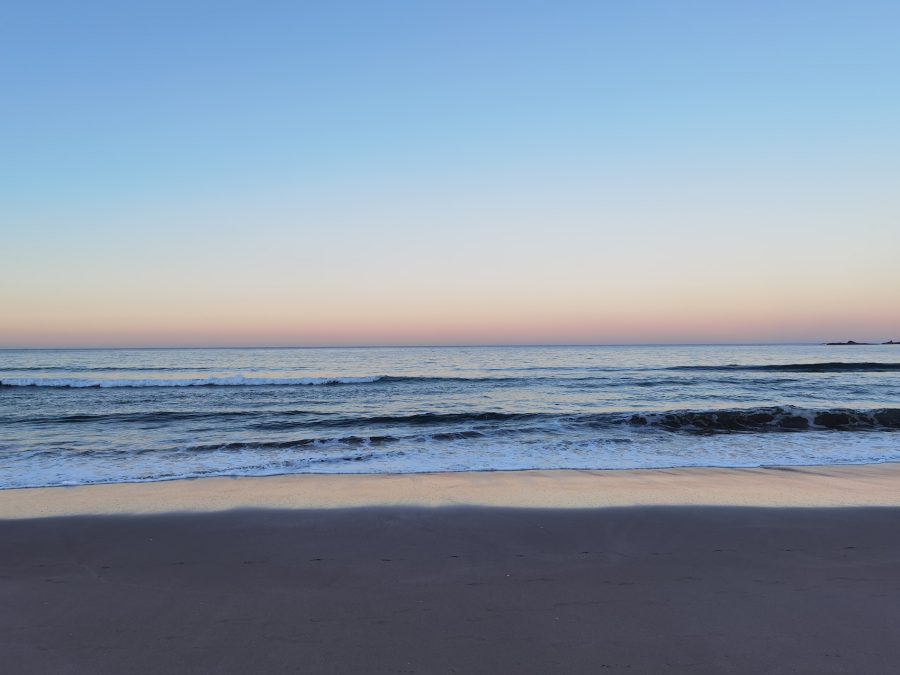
{"x":355,"y":172}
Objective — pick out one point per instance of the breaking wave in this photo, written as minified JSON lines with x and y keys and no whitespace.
{"x":755,"y":420}
{"x":771,"y":419}
{"x":107,"y":369}
{"x":832,"y":367}
{"x":455,"y":426}
{"x":233,"y":381}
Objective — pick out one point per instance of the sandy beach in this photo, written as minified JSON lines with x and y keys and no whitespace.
{"x":813,"y":486}
{"x":531,"y":572}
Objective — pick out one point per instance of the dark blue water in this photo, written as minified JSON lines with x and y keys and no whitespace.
{"x":84,"y":416}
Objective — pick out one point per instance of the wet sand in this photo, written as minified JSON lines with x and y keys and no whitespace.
{"x":814,"y":486}
{"x":464,"y":589}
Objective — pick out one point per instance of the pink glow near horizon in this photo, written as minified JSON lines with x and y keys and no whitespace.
{"x":252,"y":329}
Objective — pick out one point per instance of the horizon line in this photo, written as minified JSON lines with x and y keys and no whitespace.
{"x":444,"y":346}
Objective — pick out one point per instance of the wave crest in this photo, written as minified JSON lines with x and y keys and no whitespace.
{"x":831,"y":367}
{"x":232,"y":381}
{"x":771,"y":419}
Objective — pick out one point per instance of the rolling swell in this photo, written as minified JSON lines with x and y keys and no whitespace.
{"x":705,"y":422}
{"x":290,"y":444}
{"x":832,"y":367}
{"x":107,"y":369}
{"x":353,"y":440}
{"x":688,"y":421}
{"x":454,"y":426}
{"x":232,"y":381}
{"x":228,"y":381}
{"x":153,"y":417}
{"x":772,"y":419}
{"x":250,"y":381}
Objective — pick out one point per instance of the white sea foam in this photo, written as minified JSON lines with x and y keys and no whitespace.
{"x":232,"y":381}
{"x":421,"y":455}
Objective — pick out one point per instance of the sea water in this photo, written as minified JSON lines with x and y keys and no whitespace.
{"x":89,"y":416}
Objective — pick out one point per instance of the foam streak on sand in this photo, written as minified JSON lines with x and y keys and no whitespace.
{"x":824,"y":486}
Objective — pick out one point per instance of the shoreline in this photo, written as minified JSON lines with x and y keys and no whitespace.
{"x":816,"y":486}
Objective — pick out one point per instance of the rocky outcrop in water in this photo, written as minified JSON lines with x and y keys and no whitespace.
{"x":853,"y":342}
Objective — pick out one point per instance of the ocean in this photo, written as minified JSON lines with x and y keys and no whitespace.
{"x":70,"y":417}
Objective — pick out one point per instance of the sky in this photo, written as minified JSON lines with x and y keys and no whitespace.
{"x":448,"y":172}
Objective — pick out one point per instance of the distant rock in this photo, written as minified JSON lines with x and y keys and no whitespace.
{"x":852,"y":342}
